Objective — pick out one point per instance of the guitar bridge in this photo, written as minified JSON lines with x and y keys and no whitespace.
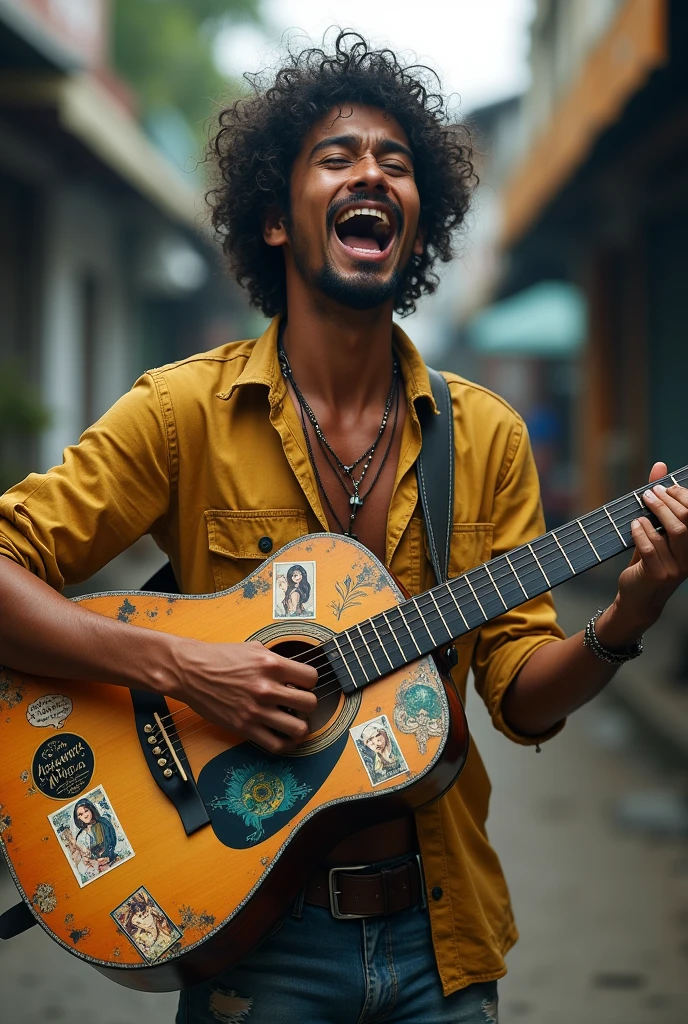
{"x":166,"y":759}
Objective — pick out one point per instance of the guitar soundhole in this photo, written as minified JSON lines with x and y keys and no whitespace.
{"x":329,"y":693}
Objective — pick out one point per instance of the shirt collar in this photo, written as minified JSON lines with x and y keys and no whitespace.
{"x":262,"y":367}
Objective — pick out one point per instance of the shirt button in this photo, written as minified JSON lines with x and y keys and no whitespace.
{"x":437,"y":893}
{"x":265,"y":544}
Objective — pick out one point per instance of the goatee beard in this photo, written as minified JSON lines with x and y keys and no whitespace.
{"x":365,"y":290}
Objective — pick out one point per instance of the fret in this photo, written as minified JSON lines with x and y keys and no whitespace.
{"x":532,"y":551}
{"x":551,"y":556}
{"x":369,"y":651}
{"x":335,"y":641}
{"x":506,"y":583}
{"x":469,"y":614}
{"x":353,"y":648}
{"x":491,"y":600}
{"x":413,"y":603}
{"x":615,"y":526}
{"x":518,"y":578}
{"x":638,"y":500}
{"x":585,"y":534}
{"x":381,"y":645}
{"x":458,"y":606}
{"x":581,"y":555}
{"x":477,"y":599}
{"x":444,"y":621}
{"x":409,"y":632}
{"x":672,"y":477}
{"x":394,"y":636}
{"x":553,"y":534}
{"x":499,"y":593}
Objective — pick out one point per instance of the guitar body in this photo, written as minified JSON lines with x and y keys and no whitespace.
{"x":158,"y":898}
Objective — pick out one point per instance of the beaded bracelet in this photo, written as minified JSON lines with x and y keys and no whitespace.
{"x":611,"y":657}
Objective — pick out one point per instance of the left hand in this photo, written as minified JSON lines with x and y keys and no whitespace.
{"x":659,"y":564}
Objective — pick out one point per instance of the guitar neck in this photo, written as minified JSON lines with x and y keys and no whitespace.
{"x":432,"y":620}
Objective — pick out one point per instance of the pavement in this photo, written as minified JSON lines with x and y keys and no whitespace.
{"x":593,"y":836}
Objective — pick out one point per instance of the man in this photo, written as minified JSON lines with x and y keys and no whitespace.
{"x":339,"y":188}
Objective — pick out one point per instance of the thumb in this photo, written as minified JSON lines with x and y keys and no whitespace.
{"x":659,"y":470}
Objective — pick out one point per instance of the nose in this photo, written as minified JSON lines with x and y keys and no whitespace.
{"x":368,"y":176}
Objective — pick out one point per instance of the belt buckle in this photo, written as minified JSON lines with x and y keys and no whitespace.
{"x":334,"y":893}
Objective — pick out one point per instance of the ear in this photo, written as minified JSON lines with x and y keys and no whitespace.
{"x":275,"y":228}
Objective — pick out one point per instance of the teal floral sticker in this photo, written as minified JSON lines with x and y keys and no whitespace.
{"x":257,"y":791}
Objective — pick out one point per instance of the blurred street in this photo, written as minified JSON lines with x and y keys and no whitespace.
{"x":600,"y":889}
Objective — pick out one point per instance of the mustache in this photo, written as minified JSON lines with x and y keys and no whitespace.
{"x":361,"y":197}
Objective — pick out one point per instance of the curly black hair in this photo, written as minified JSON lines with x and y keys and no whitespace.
{"x":260,"y":135}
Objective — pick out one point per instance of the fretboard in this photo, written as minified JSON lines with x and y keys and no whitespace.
{"x":432,"y":620}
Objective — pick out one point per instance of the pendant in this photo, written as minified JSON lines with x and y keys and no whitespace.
{"x":355,"y":500}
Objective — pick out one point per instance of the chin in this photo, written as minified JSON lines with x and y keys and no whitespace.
{"x":362,"y":290}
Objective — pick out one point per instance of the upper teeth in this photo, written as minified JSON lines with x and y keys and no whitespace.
{"x":367,"y":211}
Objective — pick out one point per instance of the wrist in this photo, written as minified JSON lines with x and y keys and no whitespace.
{"x":160,"y":665}
{"x":617,"y":629}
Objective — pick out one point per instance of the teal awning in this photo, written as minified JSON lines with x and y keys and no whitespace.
{"x":547,"y":320}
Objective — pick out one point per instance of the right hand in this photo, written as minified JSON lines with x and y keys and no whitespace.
{"x":249,"y":690}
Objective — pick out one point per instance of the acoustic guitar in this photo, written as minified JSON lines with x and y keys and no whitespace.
{"x":161,"y":849}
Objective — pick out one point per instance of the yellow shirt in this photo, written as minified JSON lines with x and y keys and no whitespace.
{"x":208,"y":456}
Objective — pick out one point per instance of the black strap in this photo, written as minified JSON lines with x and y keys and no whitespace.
{"x":16,"y":920}
{"x":435,"y":472}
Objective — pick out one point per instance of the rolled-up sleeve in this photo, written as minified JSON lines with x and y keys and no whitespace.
{"x":505,"y":644}
{"x":112,"y":487}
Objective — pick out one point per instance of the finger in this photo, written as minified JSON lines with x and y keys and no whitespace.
{"x":304,"y":702}
{"x":670,"y":514}
{"x":294,"y":673}
{"x":675,"y":497}
{"x":656,"y":557}
{"x":289,"y":725}
{"x":269,"y":740}
{"x":659,"y":470}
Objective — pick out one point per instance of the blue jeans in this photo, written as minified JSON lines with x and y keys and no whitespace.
{"x":314,"y":969}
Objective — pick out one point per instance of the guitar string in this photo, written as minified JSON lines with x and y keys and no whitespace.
{"x":331,"y":675}
{"x":327,"y":678}
{"x":482,"y":588}
{"x":184,"y":742}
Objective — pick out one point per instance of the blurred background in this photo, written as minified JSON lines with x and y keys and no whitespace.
{"x":568,"y":297}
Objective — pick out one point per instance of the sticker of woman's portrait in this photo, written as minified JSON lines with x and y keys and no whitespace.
{"x":91,"y":837}
{"x":379,"y":750}
{"x":146,"y":924}
{"x":293,"y":590}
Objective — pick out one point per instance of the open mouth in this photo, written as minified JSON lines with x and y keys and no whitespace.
{"x":364,"y":229}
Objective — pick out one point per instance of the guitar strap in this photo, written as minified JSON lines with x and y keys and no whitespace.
{"x":435,"y":472}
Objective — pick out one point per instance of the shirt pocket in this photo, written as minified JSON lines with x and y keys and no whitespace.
{"x":239,"y":540}
{"x":471,"y":545}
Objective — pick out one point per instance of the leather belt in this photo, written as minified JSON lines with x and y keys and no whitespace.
{"x":359,"y":891}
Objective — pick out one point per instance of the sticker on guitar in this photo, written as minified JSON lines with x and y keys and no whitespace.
{"x":90,"y":835}
{"x":146,"y":924}
{"x":293,"y":590}
{"x":381,"y":755}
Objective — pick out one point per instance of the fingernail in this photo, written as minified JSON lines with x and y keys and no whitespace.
{"x":635,"y":524}
{"x":661,"y":488}
{"x":649,"y":496}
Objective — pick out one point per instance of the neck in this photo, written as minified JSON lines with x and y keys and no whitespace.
{"x":343,"y":356}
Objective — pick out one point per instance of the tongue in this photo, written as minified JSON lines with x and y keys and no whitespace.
{"x":356,"y":242}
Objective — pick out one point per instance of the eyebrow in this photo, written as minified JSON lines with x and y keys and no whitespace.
{"x":351,"y":141}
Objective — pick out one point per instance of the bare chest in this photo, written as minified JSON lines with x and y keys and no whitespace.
{"x":358,"y":502}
